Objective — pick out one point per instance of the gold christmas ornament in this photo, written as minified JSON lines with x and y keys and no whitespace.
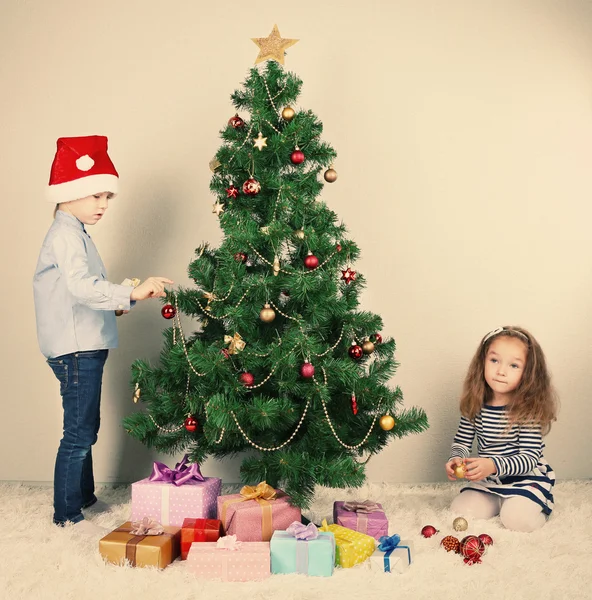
{"x":276,"y":266}
{"x":299,"y":233}
{"x":273,"y":46}
{"x":288,"y":113}
{"x":460,"y":524}
{"x":386,"y":422}
{"x":330,"y":175}
{"x":210,"y":297}
{"x":218,"y":208}
{"x":136,"y":393}
{"x":236,"y":343}
{"x":267,"y":314}
{"x":368,"y":347}
{"x":260,"y":142}
{"x":460,"y":471}
{"x":215,"y":164}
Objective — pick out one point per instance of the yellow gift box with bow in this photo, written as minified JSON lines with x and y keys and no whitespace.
{"x":352,"y":548}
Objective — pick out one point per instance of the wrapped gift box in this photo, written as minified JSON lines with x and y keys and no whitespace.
{"x":394,"y":560}
{"x":315,"y":557}
{"x":249,"y":562}
{"x":141,"y":550}
{"x":255,"y":513}
{"x":365,"y":517}
{"x":170,"y":504}
{"x":352,"y":547}
{"x":198,"y":530}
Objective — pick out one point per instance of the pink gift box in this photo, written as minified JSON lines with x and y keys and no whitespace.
{"x":374,"y":524}
{"x":249,"y":563}
{"x":170,"y":504}
{"x":246,"y":519}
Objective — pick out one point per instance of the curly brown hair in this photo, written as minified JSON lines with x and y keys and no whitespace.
{"x":534,"y":401}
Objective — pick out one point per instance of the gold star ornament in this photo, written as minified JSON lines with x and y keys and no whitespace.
{"x":260,"y":142}
{"x":273,"y":46}
{"x":218,"y":208}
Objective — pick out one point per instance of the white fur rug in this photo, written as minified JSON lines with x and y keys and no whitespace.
{"x":41,"y":561}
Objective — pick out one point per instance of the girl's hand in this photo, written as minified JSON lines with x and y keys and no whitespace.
{"x":479,"y":468}
{"x":153,"y":287}
{"x":450,"y":467}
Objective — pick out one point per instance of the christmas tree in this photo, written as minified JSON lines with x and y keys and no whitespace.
{"x":282,"y":361}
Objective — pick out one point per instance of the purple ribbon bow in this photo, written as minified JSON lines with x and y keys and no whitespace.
{"x":303,"y":532}
{"x":361,"y":507}
{"x":179,"y":475}
{"x":147,"y":526}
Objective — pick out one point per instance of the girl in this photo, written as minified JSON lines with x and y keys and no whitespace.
{"x":74,"y":307}
{"x":509,"y":404}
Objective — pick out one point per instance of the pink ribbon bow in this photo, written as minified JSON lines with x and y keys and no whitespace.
{"x":361,"y":507}
{"x":228,"y":542}
{"x":147,"y":526}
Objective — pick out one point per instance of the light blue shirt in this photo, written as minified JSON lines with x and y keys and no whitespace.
{"x":74,"y":302}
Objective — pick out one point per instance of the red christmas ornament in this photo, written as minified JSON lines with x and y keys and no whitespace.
{"x":354,"y":404}
{"x":236,"y":122}
{"x":472,"y":548}
{"x":338,"y":247}
{"x":428,"y":531}
{"x":376,"y":338}
{"x":311,"y":261}
{"x":297,"y":157}
{"x":307,"y":370}
{"x":348,"y":275}
{"x":356,"y":352}
{"x":190,"y":424}
{"x":251,"y":187}
{"x":246,"y":378}
{"x":232,"y":192}
{"x":241,"y":257}
{"x":450,"y":543}
{"x":168,"y":311}
{"x":486,"y":539}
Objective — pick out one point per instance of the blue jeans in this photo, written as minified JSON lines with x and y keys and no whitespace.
{"x":80,"y":375}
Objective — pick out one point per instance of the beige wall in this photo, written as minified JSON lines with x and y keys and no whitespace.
{"x":464,"y":133}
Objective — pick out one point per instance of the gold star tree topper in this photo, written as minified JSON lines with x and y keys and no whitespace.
{"x":273,"y":46}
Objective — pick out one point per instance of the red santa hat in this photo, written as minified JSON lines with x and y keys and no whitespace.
{"x":81,"y":168}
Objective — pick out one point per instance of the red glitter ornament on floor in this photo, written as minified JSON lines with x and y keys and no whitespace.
{"x":168,"y":311}
{"x":486,"y":539}
{"x":451,"y":544}
{"x":428,"y":531}
{"x":472,"y":548}
{"x":190,"y":424}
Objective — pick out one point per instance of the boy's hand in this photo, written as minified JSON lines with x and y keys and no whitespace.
{"x":479,"y":468}
{"x":153,"y":287}
{"x":450,"y":467}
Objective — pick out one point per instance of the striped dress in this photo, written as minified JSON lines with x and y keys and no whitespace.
{"x":517,"y":453}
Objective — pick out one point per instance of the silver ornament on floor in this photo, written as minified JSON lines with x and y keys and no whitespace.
{"x":460,"y":524}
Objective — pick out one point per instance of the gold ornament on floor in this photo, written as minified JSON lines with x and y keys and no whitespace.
{"x":386,"y":422}
{"x":267,"y":314}
{"x":368,"y":347}
{"x":276,"y":266}
{"x":273,"y":46}
{"x":260,"y":142}
{"x":236,"y":343}
{"x":460,"y":471}
{"x":299,"y":233}
{"x":330,"y":175}
{"x":288,"y":113}
{"x":136,"y":393}
{"x":460,"y":524}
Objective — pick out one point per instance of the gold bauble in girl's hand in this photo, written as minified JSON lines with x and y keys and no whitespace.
{"x":288,"y":113}
{"x":460,"y":524}
{"x":368,"y":347}
{"x":460,"y":471}
{"x":386,"y":422}
{"x":267,"y":314}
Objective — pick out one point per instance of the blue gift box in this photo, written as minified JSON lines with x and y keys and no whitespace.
{"x":315,"y":557}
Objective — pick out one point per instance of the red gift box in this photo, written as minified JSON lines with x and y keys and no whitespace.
{"x":198,"y":530}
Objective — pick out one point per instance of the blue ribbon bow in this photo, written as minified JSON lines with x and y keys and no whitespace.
{"x":387,"y":544}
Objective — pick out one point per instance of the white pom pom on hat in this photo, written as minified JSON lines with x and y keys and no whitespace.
{"x":81,"y":167}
